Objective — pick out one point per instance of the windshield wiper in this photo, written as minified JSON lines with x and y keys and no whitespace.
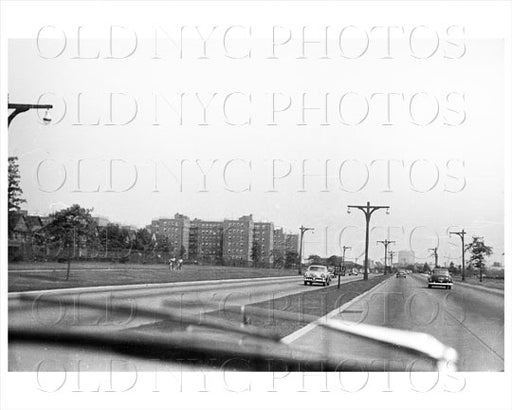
{"x":208,"y":336}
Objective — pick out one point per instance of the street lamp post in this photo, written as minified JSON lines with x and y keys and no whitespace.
{"x":343,"y":266}
{"x":461,"y":235}
{"x":386,"y":243}
{"x":435,"y":255}
{"x":303,"y":229}
{"x":21,"y":108}
{"x":368,"y":210}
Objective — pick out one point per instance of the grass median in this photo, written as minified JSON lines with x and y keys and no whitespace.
{"x":42,"y":276}
{"x":317,"y":303}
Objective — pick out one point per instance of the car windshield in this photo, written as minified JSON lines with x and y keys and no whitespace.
{"x":272,"y":323}
{"x":181,"y":335}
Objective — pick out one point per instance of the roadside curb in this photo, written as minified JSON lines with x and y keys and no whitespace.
{"x":92,"y":289}
{"x":310,"y":326}
{"x":483,"y":288}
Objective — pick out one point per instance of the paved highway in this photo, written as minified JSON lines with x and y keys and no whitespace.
{"x":191,"y":298}
{"x":466,"y":318}
{"x":469,"y":319}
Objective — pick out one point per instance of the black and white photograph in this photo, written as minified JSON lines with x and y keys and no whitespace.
{"x":288,"y":204}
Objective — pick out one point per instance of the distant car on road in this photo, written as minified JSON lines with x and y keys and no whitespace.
{"x":401,"y":274}
{"x":353,"y":272}
{"x":317,"y":274}
{"x":440,"y":277}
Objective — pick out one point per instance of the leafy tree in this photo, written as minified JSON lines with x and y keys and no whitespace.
{"x":334,"y":260}
{"x":315,"y":258}
{"x":426,"y":267}
{"x":113,"y":237}
{"x":452,"y":269}
{"x":291,"y":259}
{"x":278,"y":258}
{"x":163,"y":244}
{"x":14,"y":190}
{"x":183,"y":252}
{"x":142,"y":240}
{"x":479,"y":250}
{"x":71,"y":226}
{"x":256,"y":252}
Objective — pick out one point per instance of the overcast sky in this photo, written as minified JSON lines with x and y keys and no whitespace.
{"x":466,"y":193}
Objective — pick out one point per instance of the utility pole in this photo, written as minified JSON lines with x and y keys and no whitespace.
{"x":368,"y":210}
{"x":461,"y":235}
{"x":391,"y":254}
{"x":303,"y":229}
{"x":386,"y":243}
{"x":343,"y":266}
{"x":20,"y":108}
{"x":435,"y":255}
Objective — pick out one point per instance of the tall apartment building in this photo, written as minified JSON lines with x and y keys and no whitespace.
{"x":176,"y":230}
{"x":285,"y":242}
{"x":264,"y":236}
{"x":237,"y":239}
{"x":228,"y":240}
{"x":205,"y":240}
{"x":279,"y":241}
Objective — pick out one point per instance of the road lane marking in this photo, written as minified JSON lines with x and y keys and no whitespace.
{"x":310,"y":326}
{"x":475,"y":336}
{"x":467,"y":329}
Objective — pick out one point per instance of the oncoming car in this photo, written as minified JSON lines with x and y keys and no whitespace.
{"x":317,"y":274}
{"x":440,"y":277}
{"x":401,"y":274}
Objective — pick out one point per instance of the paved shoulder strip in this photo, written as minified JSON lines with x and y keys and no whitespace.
{"x":495,"y":291}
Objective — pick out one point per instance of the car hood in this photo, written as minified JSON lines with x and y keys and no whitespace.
{"x":315,"y":274}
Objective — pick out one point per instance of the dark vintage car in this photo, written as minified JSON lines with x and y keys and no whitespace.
{"x":440,"y":277}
